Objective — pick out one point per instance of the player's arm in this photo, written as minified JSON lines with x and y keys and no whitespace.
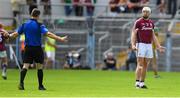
{"x":155,"y":40}
{"x":133,"y":38}
{"x":5,"y":33}
{"x":17,"y":32}
{"x":53,"y":36}
{"x":13,"y":35}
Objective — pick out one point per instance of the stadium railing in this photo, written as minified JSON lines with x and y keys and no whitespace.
{"x":117,"y":28}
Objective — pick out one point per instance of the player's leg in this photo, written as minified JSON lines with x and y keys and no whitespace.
{"x":40,"y":76}
{"x":4,"y":62}
{"x":28,"y":60}
{"x":154,"y":64}
{"x":144,"y":71}
{"x":140,"y":62}
{"x":23,"y":75}
{"x":53,"y":59}
{"x":49,"y":60}
{"x":39,"y":59}
{"x":4,"y":68}
{"x":138,"y":70}
{"x":147,"y":58}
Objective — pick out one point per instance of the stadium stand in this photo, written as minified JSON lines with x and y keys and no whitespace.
{"x":111,"y":34}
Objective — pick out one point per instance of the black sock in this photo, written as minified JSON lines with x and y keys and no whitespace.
{"x":142,"y":81}
{"x":137,"y":80}
{"x":22,"y":75}
{"x":40,"y":76}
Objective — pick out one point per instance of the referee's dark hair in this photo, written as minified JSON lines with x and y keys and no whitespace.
{"x":35,"y":12}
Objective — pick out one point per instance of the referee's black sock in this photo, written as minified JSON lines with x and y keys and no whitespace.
{"x":22,"y":75}
{"x":40,"y":76}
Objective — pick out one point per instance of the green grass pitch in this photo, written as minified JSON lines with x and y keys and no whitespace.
{"x":83,"y":83}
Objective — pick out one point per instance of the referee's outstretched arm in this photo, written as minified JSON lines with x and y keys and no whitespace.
{"x":49,"y":34}
{"x":53,"y":36}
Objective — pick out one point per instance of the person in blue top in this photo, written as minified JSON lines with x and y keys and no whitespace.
{"x":33,"y":30}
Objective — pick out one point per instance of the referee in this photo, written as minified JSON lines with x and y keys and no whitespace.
{"x":33,"y":50}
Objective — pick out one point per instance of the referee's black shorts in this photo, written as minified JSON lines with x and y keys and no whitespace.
{"x":33,"y":53}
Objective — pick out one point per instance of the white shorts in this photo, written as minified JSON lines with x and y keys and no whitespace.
{"x":3,"y":54}
{"x":51,"y":55}
{"x":144,"y":50}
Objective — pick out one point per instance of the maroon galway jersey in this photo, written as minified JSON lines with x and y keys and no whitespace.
{"x":145,"y":30}
{"x":2,"y":45}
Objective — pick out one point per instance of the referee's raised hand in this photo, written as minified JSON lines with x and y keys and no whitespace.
{"x":64,"y":39}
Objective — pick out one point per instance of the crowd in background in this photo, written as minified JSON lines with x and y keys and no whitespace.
{"x":78,"y":7}
{"x":134,"y":6}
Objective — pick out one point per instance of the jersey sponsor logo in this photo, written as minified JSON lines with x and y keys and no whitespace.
{"x":146,"y":28}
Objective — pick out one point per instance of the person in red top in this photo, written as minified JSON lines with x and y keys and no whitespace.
{"x":78,"y":7}
{"x":141,"y":41}
{"x":113,"y":5}
{"x":90,"y":7}
{"x":3,"y":56}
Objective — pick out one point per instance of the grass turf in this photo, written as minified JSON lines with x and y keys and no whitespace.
{"x":83,"y":83}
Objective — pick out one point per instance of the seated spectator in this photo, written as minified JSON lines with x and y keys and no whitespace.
{"x":47,"y":7}
{"x":68,"y":8}
{"x":16,"y":11}
{"x":110,"y":62}
{"x":161,"y":5}
{"x":144,"y":3}
{"x":32,"y":4}
{"x":136,"y":5}
{"x":90,"y":7}
{"x":113,"y":6}
{"x":172,"y":7}
{"x":122,"y":6}
{"x":73,"y":60}
{"x":46,"y":12}
{"x":78,"y":7}
{"x":131,"y":58}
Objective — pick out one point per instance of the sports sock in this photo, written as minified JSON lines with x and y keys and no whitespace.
{"x":142,"y":83}
{"x":4,"y":68}
{"x":137,"y":82}
{"x":40,"y":76}
{"x":22,"y":75}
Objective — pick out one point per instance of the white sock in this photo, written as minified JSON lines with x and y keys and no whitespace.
{"x":137,"y":83}
{"x":141,"y":84}
{"x":3,"y":72}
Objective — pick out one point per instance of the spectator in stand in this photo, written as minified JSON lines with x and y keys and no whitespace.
{"x":68,"y":7}
{"x":122,"y":6}
{"x":161,"y":5}
{"x":16,"y":10}
{"x":78,"y":7}
{"x":172,"y":7}
{"x":47,"y":7}
{"x":32,"y":4}
{"x":136,"y":5}
{"x":131,"y":59}
{"x":113,"y":7}
{"x":90,"y":7}
{"x":110,"y":62}
{"x":144,"y":3}
{"x":73,"y":61}
{"x":47,"y":11}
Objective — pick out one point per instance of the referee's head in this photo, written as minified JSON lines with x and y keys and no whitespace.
{"x":35,"y":13}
